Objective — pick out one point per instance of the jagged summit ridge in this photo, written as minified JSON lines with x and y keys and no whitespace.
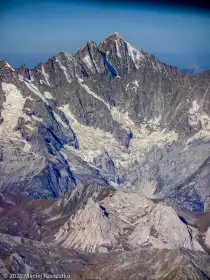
{"x":113,"y":54}
{"x":115,"y":104}
{"x":96,"y":57}
{"x":116,"y":36}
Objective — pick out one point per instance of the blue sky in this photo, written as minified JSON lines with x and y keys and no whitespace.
{"x":32,"y":31}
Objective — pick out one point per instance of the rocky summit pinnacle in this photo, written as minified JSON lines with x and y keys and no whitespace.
{"x":114,"y":36}
{"x":104,"y":160}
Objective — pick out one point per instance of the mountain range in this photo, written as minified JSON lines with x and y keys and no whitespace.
{"x":104,"y":167}
{"x":193,"y":70}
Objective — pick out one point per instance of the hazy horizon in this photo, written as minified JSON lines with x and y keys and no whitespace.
{"x":34,"y":31}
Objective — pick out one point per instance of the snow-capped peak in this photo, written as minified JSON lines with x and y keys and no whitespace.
{"x":113,"y":37}
{"x":117,"y":35}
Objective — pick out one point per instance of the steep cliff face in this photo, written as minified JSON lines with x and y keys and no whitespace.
{"x":118,"y":142}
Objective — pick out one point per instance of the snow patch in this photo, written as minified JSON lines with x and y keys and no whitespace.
{"x":20,"y":77}
{"x":122,"y":117}
{"x":117,"y":48}
{"x":196,"y":115}
{"x":30,"y":127}
{"x":135,"y":55}
{"x":65,"y":73}
{"x":207,"y":239}
{"x":117,"y":34}
{"x":58,"y":119}
{"x":30,"y":98}
{"x":142,"y":142}
{"x":27,"y":146}
{"x":195,"y":107}
{"x":30,"y":121}
{"x":37,"y":118}
{"x":155,"y":122}
{"x":46,"y":76}
{"x":53,"y":218}
{"x":12,"y":109}
{"x":92,"y":141}
{"x":69,"y":57}
{"x":9,"y":66}
{"x":87,"y":61}
{"x":48,"y":95}
{"x":132,"y":86}
{"x":26,"y":117}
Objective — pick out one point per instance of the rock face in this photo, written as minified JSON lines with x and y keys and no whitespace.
{"x":125,"y":220}
{"x":114,"y":145}
{"x":138,"y":264}
{"x":98,"y":232}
